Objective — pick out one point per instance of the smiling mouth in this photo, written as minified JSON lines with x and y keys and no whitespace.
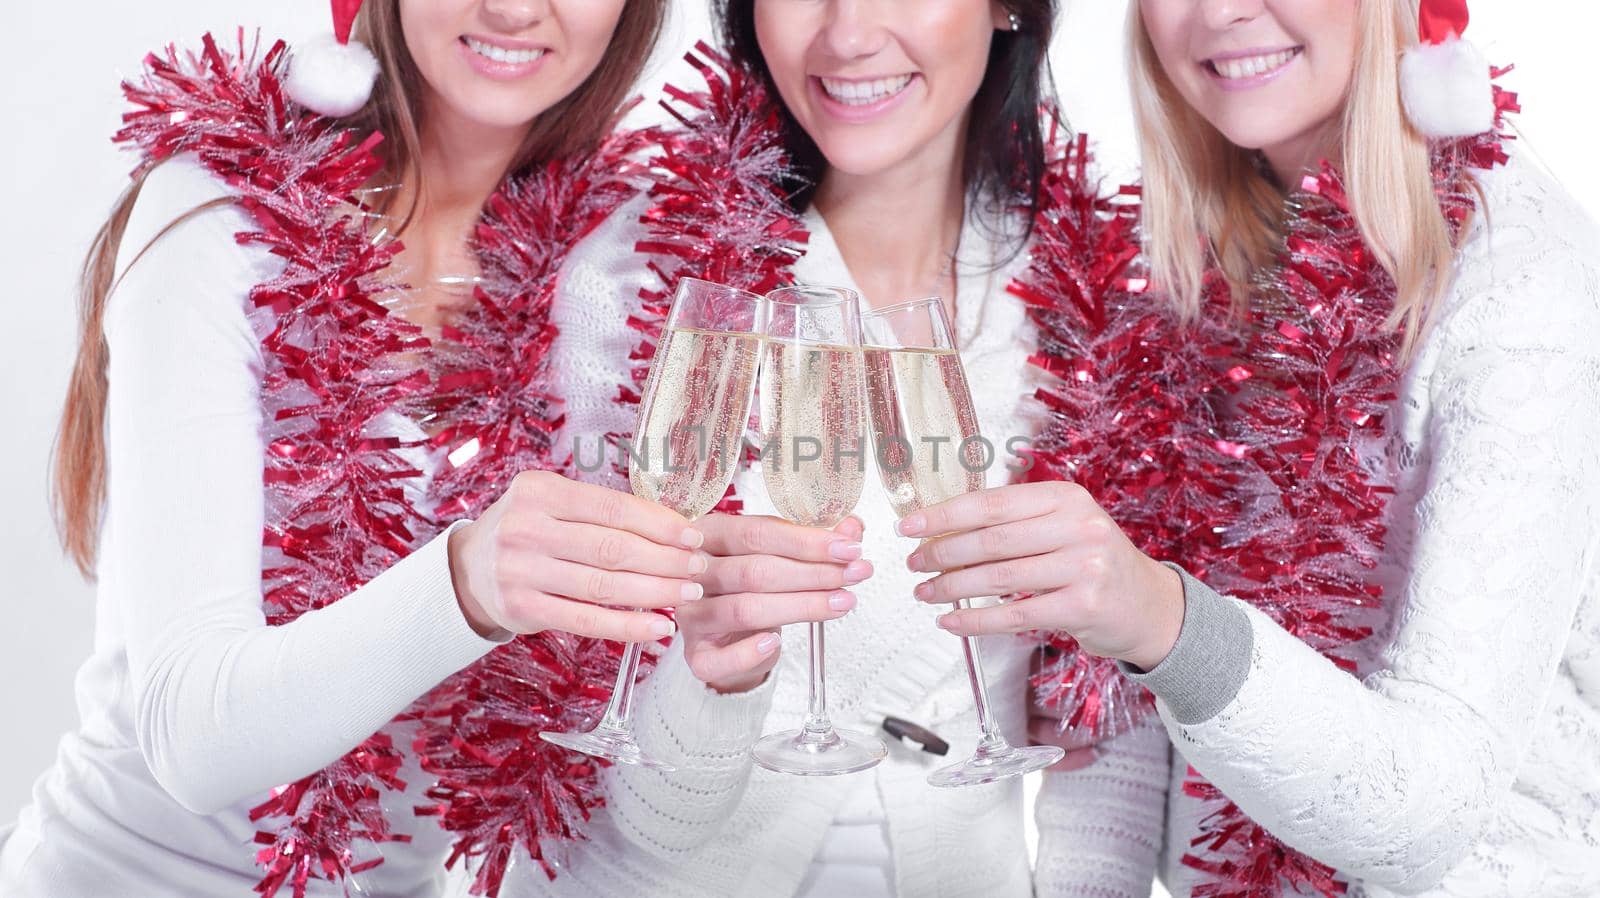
{"x":501,"y":54}
{"x":1243,"y":68}
{"x":863,"y":93}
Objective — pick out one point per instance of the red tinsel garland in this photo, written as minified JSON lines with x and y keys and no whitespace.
{"x":500,"y":786}
{"x":337,"y":511}
{"x":1317,"y":370}
{"x":1127,"y":381}
{"x":717,"y":211}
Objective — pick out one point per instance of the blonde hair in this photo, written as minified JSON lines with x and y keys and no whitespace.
{"x":1198,"y":184}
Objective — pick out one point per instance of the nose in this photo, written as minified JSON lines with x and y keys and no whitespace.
{"x":514,"y":15}
{"x":854,"y":29}
{"x":1220,"y":14}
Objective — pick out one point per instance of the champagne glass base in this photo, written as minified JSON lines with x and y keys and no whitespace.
{"x":805,"y":753}
{"x":997,"y":765}
{"x":611,"y":743}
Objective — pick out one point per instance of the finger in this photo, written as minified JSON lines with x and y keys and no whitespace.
{"x":1014,"y":539}
{"x":744,"y":612}
{"x":750,"y":656}
{"x":770,"y":573}
{"x":1012,"y":617}
{"x":985,"y":508}
{"x":731,"y":534}
{"x":588,"y":503}
{"x":619,"y":550}
{"x":603,"y":587}
{"x":850,"y":528}
{"x":1077,"y":759}
{"x":1047,"y":731}
{"x":995,"y":578}
{"x":614,"y":624}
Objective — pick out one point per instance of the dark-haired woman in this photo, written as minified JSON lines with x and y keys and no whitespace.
{"x":268,"y":374}
{"x":918,"y":153}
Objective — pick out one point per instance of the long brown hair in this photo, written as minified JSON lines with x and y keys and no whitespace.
{"x":575,"y":124}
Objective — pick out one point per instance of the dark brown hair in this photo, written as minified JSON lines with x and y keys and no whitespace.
{"x":575,"y":124}
{"x":1004,"y":148}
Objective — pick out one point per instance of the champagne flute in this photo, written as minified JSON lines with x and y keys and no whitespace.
{"x":811,"y":394}
{"x":917,"y":396}
{"x":686,"y":446}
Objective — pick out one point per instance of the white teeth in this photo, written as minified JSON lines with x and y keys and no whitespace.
{"x":500,"y":54}
{"x":863,"y":93}
{"x":1250,"y":66}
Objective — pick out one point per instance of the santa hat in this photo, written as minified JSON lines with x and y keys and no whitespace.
{"x":1444,"y":80}
{"x":331,"y":74}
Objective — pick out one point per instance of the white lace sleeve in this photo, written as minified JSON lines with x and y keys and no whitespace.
{"x":1100,"y":827}
{"x":1394,"y":780}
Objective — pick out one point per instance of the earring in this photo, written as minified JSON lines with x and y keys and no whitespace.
{"x":1016,"y":23}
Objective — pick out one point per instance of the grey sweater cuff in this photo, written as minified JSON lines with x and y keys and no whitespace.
{"x":1209,"y":662}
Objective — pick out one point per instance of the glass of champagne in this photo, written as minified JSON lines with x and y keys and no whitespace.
{"x":918,"y":400}
{"x":811,"y":399}
{"x":686,"y":446}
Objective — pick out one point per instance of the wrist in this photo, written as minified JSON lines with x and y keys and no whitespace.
{"x":466,"y":599}
{"x":740,"y":683}
{"x":1164,"y":618}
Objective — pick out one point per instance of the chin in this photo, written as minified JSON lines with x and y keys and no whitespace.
{"x":860,"y":158}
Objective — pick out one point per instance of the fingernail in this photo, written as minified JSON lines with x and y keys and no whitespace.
{"x":911,"y":526}
{"x":844,"y":550}
{"x":692,"y":538}
{"x":768,"y":644}
{"x":914,"y":561}
{"x":856,"y":571}
{"x":922,"y":591}
{"x":943,"y":621}
{"x":699,"y":562}
{"x":661,"y":628}
{"x":691,"y":592}
{"x":841,"y":601}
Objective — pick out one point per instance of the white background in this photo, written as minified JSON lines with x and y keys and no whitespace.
{"x":60,"y":105}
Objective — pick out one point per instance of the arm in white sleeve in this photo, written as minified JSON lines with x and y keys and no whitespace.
{"x":706,"y":736}
{"x":226,"y":706}
{"x":1100,"y":827}
{"x":1393,"y":780}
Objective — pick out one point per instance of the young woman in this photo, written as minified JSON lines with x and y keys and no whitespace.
{"x":887,"y":115}
{"x":1419,"y":423}
{"x":237,"y":346}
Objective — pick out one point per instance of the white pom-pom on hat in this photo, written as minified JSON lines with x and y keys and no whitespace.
{"x":329,"y":77}
{"x":1444,"y":80}
{"x":331,"y":74}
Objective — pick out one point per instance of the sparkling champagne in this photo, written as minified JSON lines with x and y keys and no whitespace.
{"x":813,"y":419}
{"x":692,"y":427}
{"x":923,"y":426}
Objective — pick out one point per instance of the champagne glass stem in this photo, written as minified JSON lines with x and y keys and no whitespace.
{"x":990,"y":741}
{"x":818,"y":728}
{"x":620,"y":706}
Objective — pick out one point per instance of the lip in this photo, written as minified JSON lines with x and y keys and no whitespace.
{"x":502,"y":71}
{"x":858,"y":114}
{"x":1254,"y":81}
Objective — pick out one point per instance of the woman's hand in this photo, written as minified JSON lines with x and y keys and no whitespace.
{"x":765,"y":573}
{"x":1053,"y":540}
{"x":555,"y":554}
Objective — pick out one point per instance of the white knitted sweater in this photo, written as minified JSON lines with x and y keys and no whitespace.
{"x":1467,"y":761}
{"x":719,"y":826}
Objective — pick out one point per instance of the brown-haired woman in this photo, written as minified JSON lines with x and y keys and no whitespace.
{"x":192,"y":706}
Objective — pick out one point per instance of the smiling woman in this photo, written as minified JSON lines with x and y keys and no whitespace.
{"x":325,"y":555}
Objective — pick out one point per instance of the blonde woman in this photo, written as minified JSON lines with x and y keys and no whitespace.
{"x":1459,"y":757}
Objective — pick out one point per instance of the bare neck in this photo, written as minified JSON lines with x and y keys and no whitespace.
{"x":898,"y":229}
